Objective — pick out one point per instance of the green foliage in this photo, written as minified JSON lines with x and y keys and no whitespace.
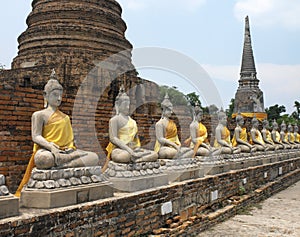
{"x":296,"y":114}
{"x":275,"y":111}
{"x":176,"y":97}
{"x":229,"y":111}
{"x":193,"y":98}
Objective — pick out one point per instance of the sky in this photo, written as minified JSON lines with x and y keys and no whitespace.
{"x":210,"y":32}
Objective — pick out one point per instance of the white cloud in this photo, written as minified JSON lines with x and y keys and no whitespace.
{"x":280,"y":83}
{"x":270,"y":12}
{"x":187,"y":5}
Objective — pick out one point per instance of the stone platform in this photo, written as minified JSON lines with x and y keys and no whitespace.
{"x":9,"y":206}
{"x":43,"y":198}
{"x":182,"y":169}
{"x":64,"y":187}
{"x":135,"y":177}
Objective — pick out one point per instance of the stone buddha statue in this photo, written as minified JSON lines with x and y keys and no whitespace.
{"x":222,"y":137}
{"x":267,"y":137}
{"x":53,"y":137}
{"x":125,"y":146}
{"x":240,"y":137}
{"x":284,"y":136}
{"x":276,"y":135}
{"x":167,"y":143}
{"x":256,"y":138}
{"x":291,"y":137}
{"x":296,"y":134}
{"x":198,"y":140}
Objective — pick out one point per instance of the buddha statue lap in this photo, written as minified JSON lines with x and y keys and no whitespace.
{"x":267,"y":137}
{"x":125,"y":146}
{"x":53,"y":137}
{"x":256,"y":137}
{"x":222,"y":137}
{"x":198,"y":140}
{"x":240,"y":137}
{"x":167,"y":143}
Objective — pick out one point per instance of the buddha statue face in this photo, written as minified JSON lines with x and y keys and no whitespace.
{"x":275,"y":126}
{"x":52,"y":92}
{"x":290,"y":128}
{"x":124,"y":106}
{"x":222,"y":118}
{"x":296,"y":129}
{"x":240,"y":120}
{"x":198,"y":113}
{"x":266,"y":124}
{"x":54,"y":97}
{"x":283,"y":127}
{"x":167,"y":107}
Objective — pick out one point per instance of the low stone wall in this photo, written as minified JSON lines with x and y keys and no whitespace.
{"x":183,"y":208}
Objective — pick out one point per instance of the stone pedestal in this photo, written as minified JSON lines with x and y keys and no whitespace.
{"x":135,"y":184}
{"x":9,"y":206}
{"x":135,"y":176}
{"x":44,"y":198}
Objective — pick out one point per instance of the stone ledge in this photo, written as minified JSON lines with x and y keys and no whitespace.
{"x":9,"y":206}
{"x":64,"y":197}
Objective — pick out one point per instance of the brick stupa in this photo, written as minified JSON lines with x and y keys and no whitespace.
{"x":249,"y":99}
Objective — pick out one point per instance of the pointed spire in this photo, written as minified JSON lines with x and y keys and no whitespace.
{"x":248,"y":65}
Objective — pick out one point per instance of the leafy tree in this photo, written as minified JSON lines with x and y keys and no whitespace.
{"x":176,"y":97}
{"x":193,"y":98}
{"x":229,"y":111}
{"x":296,"y":114}
{"x":274,"y":111}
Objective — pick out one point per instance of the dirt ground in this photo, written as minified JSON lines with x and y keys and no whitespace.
{"x":277,"y":216}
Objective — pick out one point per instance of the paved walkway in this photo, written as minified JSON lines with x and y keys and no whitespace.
{"x":278,"y":216}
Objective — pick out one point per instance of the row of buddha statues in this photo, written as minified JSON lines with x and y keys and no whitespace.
{"x":54,"y":146}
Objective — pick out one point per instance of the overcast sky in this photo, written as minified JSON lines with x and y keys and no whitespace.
{"x":208,"y":31}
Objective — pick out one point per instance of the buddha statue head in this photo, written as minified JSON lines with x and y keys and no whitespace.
{"x":275,"y":125}
{"x":255,"y":122}
{"x":198,"y":112}
{"x":296,"y":128}
{"x":167,"y":106}
{"x":122,"y":103}
{"x":290,"y":127}
{"x":222,"y":118}
{"x":239,"y":119}
{"x":52,"y":91}
{"x":283,"y":126}
{"x":265,"y":123}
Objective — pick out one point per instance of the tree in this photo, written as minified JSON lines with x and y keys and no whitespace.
{"x":229,"y":111}
{"x":176,"y":97}
{"x":296,"y":114}
{"x":193,"y":98}
{"x":274,"y":111}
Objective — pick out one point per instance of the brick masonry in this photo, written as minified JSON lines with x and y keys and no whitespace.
{"x":139,"y":213}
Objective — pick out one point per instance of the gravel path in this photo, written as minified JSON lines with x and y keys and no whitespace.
{"x":277,"y":216}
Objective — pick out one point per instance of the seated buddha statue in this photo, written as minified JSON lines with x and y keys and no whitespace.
{"x":284,"y":136}
{"x":276,"y":135}
{"x":124,"y":145}
{"x":53,"y":137}
{"x":267,"y":137}
{"x":168,"y":145}
{"x":291,"y":137}
{"x":256,"y":138}
{"x":198,"y":140}
{"x":296,"y":134}
{"x":222,"y":137}
{"x":240,"y":137}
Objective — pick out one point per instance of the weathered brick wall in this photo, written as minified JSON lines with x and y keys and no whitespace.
{"x":140,"y":213}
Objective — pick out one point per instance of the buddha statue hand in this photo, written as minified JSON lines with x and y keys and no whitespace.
{"x":138,"y":153}
{"x":67,"y":156}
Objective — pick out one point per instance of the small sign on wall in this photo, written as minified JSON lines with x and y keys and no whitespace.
{"x":266,"y":175}
{"x":280,"y":171}
{"x":214,"y":195}
{"x":166,"y":208}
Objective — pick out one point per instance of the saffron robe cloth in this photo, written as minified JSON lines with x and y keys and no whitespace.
{"x":258,"y":137}
{"x":224,"y":136}
{"x":170,"y":134}
{"x":297,"y":137}
{"x":201,"y":137}
{"x":128,"y":135}
{"x":57,"y":130}
{"x":277,"y":136}
{"x":269,"y":137}
{"x":243,"y":137}
{"x":292,"y":138}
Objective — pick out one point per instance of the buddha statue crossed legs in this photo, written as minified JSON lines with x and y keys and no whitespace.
{"x":124,"y":146}
{"x":222,"y":137}
{"x":167,"y":143}
{"x":240,"y":136}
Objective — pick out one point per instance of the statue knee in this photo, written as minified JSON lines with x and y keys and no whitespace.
{"x":44,"y":160}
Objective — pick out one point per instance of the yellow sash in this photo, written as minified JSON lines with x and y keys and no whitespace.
{"x":297,"y":137}
{"x":224,"y":136}
{"x":128,"y":135}
{"x":258,"y":137}
{"x":277,"y":136}
{"x":171,"y":135}
{"x":269,"y":137}
{"x":57,"y":130}
{"x":292,"y":137}
{"x":201,"y":135}
{"x":243,"y":137}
